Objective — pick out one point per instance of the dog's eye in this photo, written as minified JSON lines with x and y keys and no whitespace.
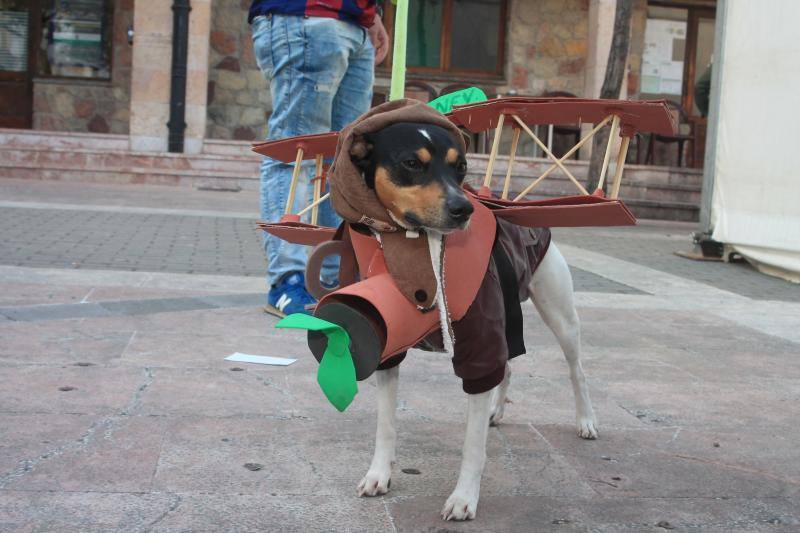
{"x":461,"y":168}
{"x":412,"y":164}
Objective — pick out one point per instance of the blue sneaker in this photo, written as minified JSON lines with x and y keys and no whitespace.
{"x":290,"y":295}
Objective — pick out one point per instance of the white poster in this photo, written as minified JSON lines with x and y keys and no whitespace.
{"x":662,"y":61}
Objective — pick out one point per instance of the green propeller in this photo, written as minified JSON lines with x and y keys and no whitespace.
{"x":337,"y":373}
{"x":445,"y":103}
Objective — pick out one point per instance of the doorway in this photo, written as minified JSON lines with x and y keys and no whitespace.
{"x":679,"y":41}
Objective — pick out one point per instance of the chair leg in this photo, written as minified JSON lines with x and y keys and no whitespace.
{"x":680,"y":153}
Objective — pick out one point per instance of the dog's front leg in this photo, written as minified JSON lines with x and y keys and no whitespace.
{"x":380,"y":471}
{"x":463,"y":502}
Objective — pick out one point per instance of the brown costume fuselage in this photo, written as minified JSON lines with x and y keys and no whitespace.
{"x":417,"y":172}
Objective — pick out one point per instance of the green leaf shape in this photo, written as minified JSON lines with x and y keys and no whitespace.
{"x":445,"y":103}
{"x":337,"y":373}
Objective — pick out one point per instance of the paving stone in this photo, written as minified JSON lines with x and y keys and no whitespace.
{"x":98,"y":389}
{"x":29,"y":439}
{"x":63,"y":342}
{"x":654,"y":246}
{"x":696,"y":407}
{"x":273,"y":511}
{"x":85,"y":511}
{"x":116,"y":454}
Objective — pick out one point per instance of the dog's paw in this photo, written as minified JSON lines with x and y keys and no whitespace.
{"x":587,"y":428}
{"x":460,"y":507}
{"x":375,"y":483}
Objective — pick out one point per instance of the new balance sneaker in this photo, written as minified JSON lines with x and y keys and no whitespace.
{"x":289,"y":295}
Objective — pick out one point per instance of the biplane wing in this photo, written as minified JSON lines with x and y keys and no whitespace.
{"x":625,"y":119}
{"x":650,"y":116}
{"x":286,"y":150}
{"x":298,"y":232}
{"x":562,"y":212}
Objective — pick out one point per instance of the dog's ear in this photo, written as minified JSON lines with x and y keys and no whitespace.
{"x":361,"y":152}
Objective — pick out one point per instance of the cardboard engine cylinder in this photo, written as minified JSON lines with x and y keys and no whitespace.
{"x":381,"y":322}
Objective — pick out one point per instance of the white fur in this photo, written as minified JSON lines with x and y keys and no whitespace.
{"x":380,"y":471}
{"x":552,"y":294}
{"x":425,"y":134}
{"x":435,"y":241}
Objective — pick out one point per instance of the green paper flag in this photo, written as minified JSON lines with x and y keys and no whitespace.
{"x":445,"y":103}
{"x":337,"y":373}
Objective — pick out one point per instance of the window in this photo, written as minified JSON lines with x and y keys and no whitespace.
{"x":13,"y":36}
{"x":75,"y":39}
{"x":455,"y":36}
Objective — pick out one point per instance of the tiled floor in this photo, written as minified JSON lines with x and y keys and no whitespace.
{"x":119,"y":413}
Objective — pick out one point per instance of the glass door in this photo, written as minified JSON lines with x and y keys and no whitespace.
{"x":697,"y":77}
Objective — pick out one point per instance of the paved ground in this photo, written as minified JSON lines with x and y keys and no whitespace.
{"x":117,"y":411}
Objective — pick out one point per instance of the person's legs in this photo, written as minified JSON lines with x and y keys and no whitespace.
{"x":353,"y":98}
{"x":304,"y":60}
{"x":272,"y":39}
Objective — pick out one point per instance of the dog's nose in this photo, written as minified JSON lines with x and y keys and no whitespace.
{"x":459,"y":208}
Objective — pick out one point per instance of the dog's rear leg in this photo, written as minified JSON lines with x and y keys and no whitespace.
{"x":380,"y":471}
{"x":552,"y":294}
{"x":499,"y":395}
{"x":463,"y":502}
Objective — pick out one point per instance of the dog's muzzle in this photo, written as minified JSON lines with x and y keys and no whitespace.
{"x":458,"y":209}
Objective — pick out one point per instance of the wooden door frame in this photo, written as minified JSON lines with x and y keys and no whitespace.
{"x":443,"y":70}
{"x":690,"y":56}
{"x":26,"y":77}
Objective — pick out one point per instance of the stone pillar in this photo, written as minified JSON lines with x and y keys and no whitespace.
{"x":197,"y":76}
{"x":150,"y":76}
{"x":152,"y":53}
{"x":601,"y":31}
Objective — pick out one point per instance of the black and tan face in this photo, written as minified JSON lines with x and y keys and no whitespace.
{"x":416,"y":171}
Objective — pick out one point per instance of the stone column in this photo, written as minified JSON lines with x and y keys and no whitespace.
{"x":152,"y":53}
{"x":601,"y":31}
{"x":197,"y":76}
{"x":150,"y":76}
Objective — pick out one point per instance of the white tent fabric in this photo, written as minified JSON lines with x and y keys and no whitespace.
{"x":756,"y":201}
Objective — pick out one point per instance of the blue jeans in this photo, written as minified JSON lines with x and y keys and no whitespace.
{"x":320,"y":71}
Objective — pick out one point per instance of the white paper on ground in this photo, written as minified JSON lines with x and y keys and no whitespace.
{"x":259,"y":359}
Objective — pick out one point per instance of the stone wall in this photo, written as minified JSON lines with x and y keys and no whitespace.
{"x":98,"y":106}
{"x":547,"y":42}
{"x":238,"y":95}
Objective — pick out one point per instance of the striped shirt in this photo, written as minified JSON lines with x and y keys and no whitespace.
{"x":361,"y":12}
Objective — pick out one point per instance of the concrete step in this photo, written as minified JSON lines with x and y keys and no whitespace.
{"x":677,"y":211}
{"x":42,"y":140}
{"x":106,"y":158}
{"x":232,"y":148}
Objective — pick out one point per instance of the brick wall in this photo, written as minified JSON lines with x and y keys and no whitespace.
{"x":238,"y":95}
{"x":90,"y":105}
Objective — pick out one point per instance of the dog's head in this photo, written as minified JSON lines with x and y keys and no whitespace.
{"x":416,"y":171}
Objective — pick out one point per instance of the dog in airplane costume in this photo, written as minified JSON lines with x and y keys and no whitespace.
{"x":397,"y":181}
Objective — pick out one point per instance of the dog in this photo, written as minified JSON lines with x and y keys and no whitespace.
{"x":417,"y":171}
